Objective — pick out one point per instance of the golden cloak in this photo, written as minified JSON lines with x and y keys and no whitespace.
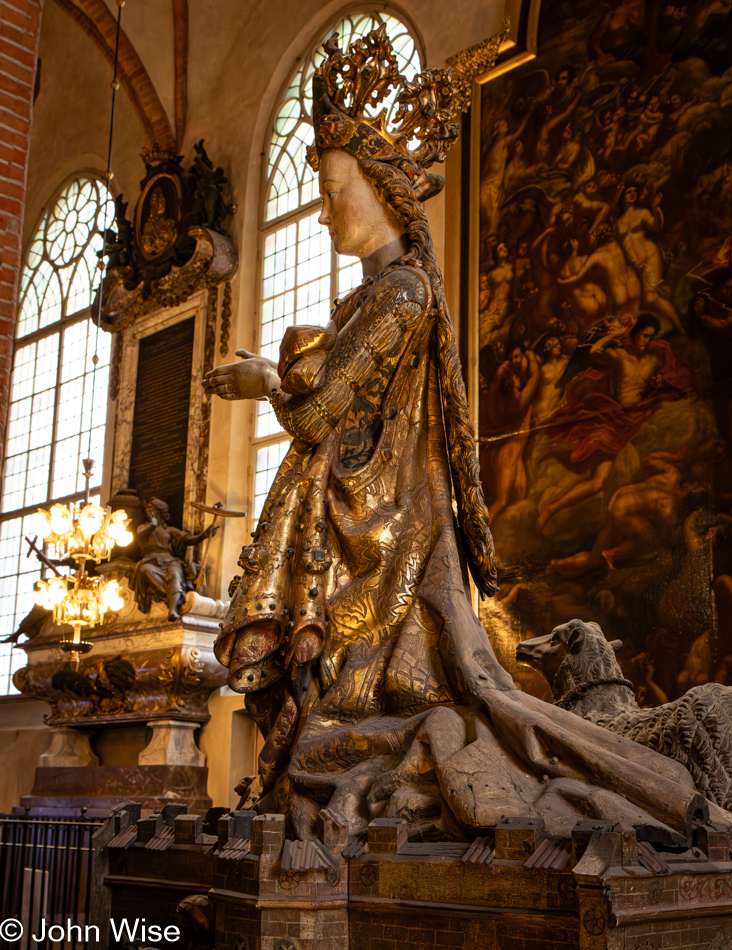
{"x":351,"y":628}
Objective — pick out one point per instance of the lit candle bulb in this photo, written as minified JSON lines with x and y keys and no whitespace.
{"x":111,"y":597}
{"x":61,"y":521}
{"x":41,"y":524}
{"x":91,"y":518}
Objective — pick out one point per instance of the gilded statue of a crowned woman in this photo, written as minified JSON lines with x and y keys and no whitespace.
{"x":351,"y":630}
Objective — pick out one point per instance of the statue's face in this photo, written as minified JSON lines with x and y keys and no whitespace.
{"x":356,"y":216}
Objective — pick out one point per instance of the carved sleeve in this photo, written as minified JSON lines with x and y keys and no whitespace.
{"x":364,"y":357}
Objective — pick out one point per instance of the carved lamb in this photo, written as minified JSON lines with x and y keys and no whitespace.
{"x":585,"y":677}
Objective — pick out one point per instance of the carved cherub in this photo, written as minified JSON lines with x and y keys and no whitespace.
{"x":163,"y":573}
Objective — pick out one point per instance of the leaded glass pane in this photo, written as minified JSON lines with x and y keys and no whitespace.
{"x":269,"y":459}
{"x":58,"y":400}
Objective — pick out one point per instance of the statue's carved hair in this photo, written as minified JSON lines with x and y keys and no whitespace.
{"x":402,"y":200}
{"x":161,"y":507}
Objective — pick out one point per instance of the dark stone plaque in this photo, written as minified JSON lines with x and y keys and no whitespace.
{"x":160,"y":426}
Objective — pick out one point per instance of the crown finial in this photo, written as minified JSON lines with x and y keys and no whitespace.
{"x":157,"y":155}
{"x":349,"y":87}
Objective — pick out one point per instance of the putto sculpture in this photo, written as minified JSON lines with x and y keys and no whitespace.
{"x":350,"y":630}
{"x":163,"y":573}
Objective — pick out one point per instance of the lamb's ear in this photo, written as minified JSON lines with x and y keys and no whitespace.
{"x":617,"y":645}
{"x":576,"y":640}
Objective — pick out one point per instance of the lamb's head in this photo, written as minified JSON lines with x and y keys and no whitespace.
{"x":573,"y":653}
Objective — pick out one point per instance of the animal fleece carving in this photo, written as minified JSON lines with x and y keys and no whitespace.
{"x":585,"y":677}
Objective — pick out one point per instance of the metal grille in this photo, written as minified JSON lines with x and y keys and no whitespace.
{"x":45,"y":881}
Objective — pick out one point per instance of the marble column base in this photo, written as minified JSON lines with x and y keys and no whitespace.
{"x":69,"y":749}
{"x":172,"y":744}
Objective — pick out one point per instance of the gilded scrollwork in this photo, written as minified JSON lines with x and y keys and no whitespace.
{"x":176,"y":243}
{"x":192,"y":670}
{"x":471,"y":63}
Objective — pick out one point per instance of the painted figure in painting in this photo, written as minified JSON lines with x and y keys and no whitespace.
{"x":350,"y":630}
{"x":607,"y":405}
{"x":625,"y":206}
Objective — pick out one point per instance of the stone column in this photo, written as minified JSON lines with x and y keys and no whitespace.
{"x":172,"y":744}
{"x":69,"y":749}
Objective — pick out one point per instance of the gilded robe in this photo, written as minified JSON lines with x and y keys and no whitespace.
{"x":351,"y":628}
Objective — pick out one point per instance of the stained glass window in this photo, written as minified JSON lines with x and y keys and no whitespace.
{"x":301,"y":273}
{"x":58,"y":397}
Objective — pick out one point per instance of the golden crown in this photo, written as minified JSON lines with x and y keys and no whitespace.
{"x":347,"y":87}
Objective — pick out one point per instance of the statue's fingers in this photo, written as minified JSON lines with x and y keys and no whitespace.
{"x":271,"y":382}
{"x":221,"y":389}
{"x":216,"y":375}
{"x":246,"y":355}
{"x":225,"y":369}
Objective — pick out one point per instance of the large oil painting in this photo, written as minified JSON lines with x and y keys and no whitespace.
{"x":606,"y":335}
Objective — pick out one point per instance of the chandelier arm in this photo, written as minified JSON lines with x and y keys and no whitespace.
{"x":42,"y":557}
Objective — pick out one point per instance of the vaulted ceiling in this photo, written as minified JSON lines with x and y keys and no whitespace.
{"x":99,"y":23}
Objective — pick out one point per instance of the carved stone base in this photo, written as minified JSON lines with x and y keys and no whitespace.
{"x":69,"y":749}
{"x":67,"y":791}
{"x":600,"y":889}
{"x":172,"y":744}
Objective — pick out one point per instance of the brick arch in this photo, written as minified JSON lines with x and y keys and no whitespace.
{"x":98,"y":23}
{"x":180,"y":34}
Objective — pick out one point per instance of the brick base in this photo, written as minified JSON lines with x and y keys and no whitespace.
{"x":601,"y":890}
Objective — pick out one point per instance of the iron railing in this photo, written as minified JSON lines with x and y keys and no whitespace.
{"x":45,"y":882}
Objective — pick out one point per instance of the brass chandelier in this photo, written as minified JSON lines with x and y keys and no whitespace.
{"x":81,"y":533}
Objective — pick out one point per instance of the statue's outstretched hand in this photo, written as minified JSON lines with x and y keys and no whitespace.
{"x":253,"y":377}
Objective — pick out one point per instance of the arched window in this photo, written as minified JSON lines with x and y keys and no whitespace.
{"x":301,"y":273}
{"x":58,"y":399}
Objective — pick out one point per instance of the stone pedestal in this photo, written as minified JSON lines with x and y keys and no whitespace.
{"x":172,"y":743}
{"x":69,"y":749}
{"x":142,"y":671}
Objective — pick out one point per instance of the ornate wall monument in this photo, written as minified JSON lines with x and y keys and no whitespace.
{"x":151,"y":670}
{"x":409,"y":793}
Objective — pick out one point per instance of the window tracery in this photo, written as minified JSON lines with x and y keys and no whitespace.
{"x":58,"y":398}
